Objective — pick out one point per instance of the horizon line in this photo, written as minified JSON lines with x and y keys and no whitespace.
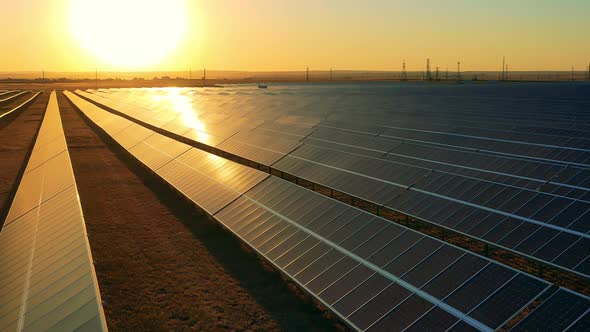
{"x":197,"y":70}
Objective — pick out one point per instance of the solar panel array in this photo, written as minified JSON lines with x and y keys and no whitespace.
{"x":6,"y":100}
{"x":5,"y":92}
{"x":512,"y":172}
{"x":47,"y":278}
{"x":17,"y":108}
{"x":562,"y":311}
{"x":374,"y":274}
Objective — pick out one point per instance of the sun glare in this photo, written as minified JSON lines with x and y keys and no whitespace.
{"x":128,"y":33}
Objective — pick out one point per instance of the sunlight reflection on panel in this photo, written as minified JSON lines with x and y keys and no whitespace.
{"x":181,"y":104}
{"x":222,"y":171}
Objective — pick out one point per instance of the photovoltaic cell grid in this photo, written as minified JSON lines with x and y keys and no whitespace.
{"x":513,"y":173}
{"x":563,"y":311}
{"x":47,"y":280}
{"x":374,"y":274}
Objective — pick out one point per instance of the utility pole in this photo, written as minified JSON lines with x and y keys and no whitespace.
{"x":307,"y":74}
{"x":190,"y":73}
{"x":204,"y":76}
{"x":447,"y":74}
{"x":330,"y":74}
{"x":506,"y":73}
{"x":428,"y":74}
{"x":436,"y":78}
{"x":43,"y":74}
{"x":458,"y":70}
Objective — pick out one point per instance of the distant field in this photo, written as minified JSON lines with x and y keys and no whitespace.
{"x":19,"y":80}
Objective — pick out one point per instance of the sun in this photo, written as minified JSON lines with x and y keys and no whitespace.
{"x":128,"y":34}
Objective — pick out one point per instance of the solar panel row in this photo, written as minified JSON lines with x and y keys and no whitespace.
{"x":19,"y":107}
{"x":47,"y":278}
{"x":12,"y":97}
{"x":4,"y":92}
{"x":372,"y":273}
{"x":537,"y":208}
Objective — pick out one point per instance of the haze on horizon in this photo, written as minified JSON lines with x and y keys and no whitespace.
{"x":280,"y":35}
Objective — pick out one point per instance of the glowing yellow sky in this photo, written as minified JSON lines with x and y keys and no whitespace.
{"x":346,"y":34}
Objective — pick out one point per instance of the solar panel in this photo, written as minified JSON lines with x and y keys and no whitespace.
{"x":562,"y":311}
{"x":19,"y":107}
{"x":3,"y":92}
{"x":374,"y":274}
{"x":12,"y":97}
{"x":47,"y":278}
{"x":521,"y":184}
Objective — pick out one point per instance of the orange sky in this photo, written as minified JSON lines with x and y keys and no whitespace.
{"x":347,"y":34}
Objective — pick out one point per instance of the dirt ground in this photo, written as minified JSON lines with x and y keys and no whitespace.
{"x":163,"y":266}
{"x":17,"y":135}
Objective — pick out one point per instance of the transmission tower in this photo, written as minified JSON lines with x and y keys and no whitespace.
{"x":428,"y":74}
{"x":503,"y":68}
{"x":404,"y":73}
{"x":436,"y":78}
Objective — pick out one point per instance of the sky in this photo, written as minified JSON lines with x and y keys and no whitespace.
{"x":280,"y":35}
